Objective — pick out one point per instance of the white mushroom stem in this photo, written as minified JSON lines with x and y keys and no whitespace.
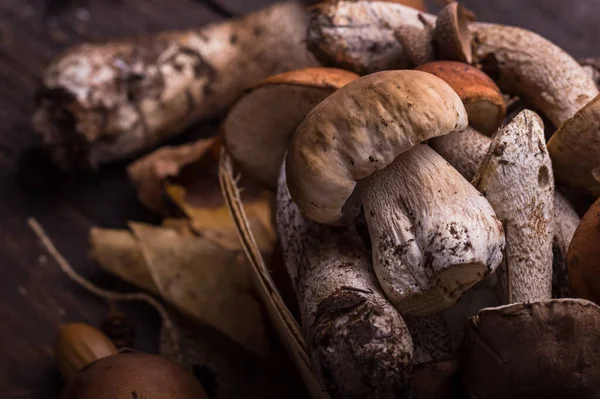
{"x":466,"y":151}
{"x":433,"y":235}
{"x":516,"y":177}
{"x":358,"y":343}
{"x":360,"y":37}
{"x":104,"y":102}
{"x":431,"y":339}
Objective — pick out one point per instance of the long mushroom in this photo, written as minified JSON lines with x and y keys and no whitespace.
{"x":516,"y":177}
{"x":267,"y":114}
{"x":358,"y":344}
{"x":104,"y":102}
{"x":433,"y":235}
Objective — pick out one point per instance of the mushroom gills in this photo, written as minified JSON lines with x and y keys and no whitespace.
{"x":433,"y":234}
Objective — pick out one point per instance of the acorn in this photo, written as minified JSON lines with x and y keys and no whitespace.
{"x":78,"y":345}
{"x":96,"y":370}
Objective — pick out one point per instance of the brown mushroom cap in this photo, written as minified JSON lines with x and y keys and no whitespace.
{"x":258,"y":127}
{"x":482,"y":98}
{"x":540,"y":350}
{"x":360,"y":129}
{"x":452,"y":35}
{"x":583,"y":258}
{"x":134,"y":375}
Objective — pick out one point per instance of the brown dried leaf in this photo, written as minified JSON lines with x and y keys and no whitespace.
{"x":149,"y":173}
{"x":200,"y":278}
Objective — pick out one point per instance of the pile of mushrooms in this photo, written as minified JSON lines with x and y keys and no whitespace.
{"x":463,"y":274}
{"x":424,"y":207}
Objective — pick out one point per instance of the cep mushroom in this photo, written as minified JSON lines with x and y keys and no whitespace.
{"x":537,"y":350}
{"x":267,"y":114}
{"x":584,"y":256}
{"x":433,"y":235}
{"x":358,"y":344}
{"x":481,"y":97}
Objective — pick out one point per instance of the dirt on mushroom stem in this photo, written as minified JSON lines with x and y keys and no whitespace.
{"x":101,"y":103}
{"x":358,"y":344}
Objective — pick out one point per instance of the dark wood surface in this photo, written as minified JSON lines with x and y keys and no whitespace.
{"x":35,"y":297}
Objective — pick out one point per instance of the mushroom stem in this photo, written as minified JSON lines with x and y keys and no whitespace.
{"x":433,"y":235}
{"x":466,"y":151}
{"x":516,"y":177}
{"x":431,"y":339}
{"x":358,"y":343}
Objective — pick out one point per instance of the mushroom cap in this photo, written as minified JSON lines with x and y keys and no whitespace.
{"x":437,"y":380}
{"x":362,"y":128}
{"x":583,"y":256}
{"x":575,"y":150}
{"x":136,"y":375}
{"x":482,"y":98}
{"x":259,"y":124}
{"x":538,"y":350}
{"x":452,"y":34}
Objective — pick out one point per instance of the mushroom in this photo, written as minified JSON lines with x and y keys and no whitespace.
{"x":437,"y":380}
{"x":538,"y":350}
{"x":358,"y":344}
{"x":262,"y":120}
{"x":584,"y":256}
{"x":481,"y":97}
{"x":516,"y":178}
{"x":433,"y":235}
{"x":134,"y":375}
{"x":431,"y":338}
{"x":575,"y":150}
{"x":363,"y":37}
{"x":451,"y":36}
{"x":466,"y":150}
{"x":105,"y":102}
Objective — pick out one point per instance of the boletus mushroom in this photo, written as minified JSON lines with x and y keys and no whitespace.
{"x":95,"y":370}
{"x":481,"y":97}
{"x":258,"y":126}
{"x":533,"y":350}
{"x":433,"y":235}
{"x":358,"y":343}
{"x":584,"y":256}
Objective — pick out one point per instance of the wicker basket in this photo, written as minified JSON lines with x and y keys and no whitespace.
{"x":285,"y":324}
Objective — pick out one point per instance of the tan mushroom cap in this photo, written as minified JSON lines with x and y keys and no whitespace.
{"x":575,"y":150}
{"x":482,"y":98}
{"x":361,"y":128}
{"x":539,"y":350}
{"x":583,"y":257}
{"x":258,"y":126}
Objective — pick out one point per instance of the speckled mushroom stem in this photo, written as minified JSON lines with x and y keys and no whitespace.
{"x":516,"y":177}
{"x":101,"y":103}
{"x":359,"y":345}
{"x":466,"y":151}
{"x":433,"y":235}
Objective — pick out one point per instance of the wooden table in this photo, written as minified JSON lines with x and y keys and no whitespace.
{"x":35,"y":297}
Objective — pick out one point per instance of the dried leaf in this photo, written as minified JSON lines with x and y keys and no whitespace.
{"x":149,"y":173}
{"x":197,"y":276}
